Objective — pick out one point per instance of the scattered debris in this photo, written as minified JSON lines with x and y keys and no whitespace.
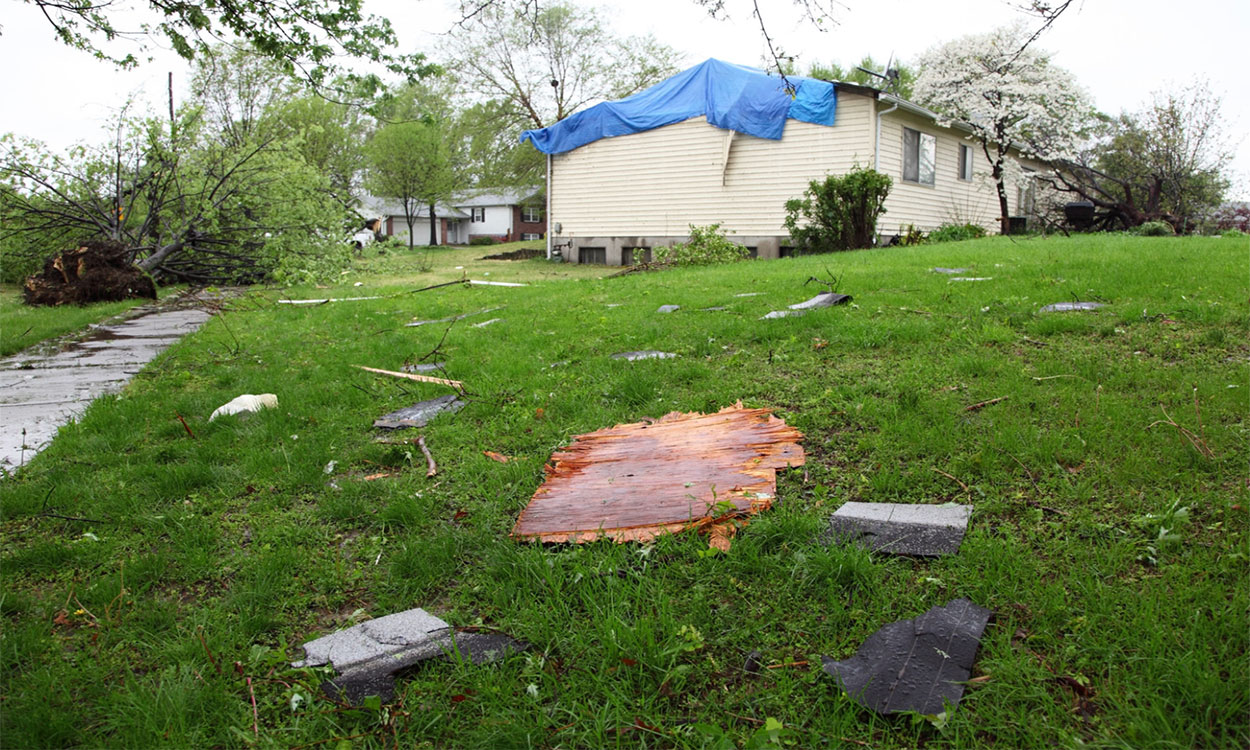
{"x":973,"y":278}
{"x":485,"y":323}
{"x":668,"y":308}
{"x":901,"y":528}
{"x":425,"y":367}
{"x":246,"y":403}
{"x":368,"y":656}
{"x":525,"y":253}
{"x":754,"y":663}
{"x":633,"y":482}
{"x":419,"y":414}
{"x":939,"y":269}
{"x":824,"y":299}
{"x":644,"y":354}
{"x":410,"y":376}
{"x":1072,"y":306}
{"x":611,"y":305}
{"x":918,"y":665}
{"x":501,"y":458}
{"x":322,"y":301}
{"x":749,"y":294}
{"x":97,"y":271}
{"x":713,"y":309}
{"x":431,"y":467}
{"x":783,"y":314}
{"x":379,"y":475}
{"x":452,"y":318}
{"x":495,"y":283}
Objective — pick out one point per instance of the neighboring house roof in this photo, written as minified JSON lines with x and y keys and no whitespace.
{"x":371,"y":205}
{"x":495,"y":197}
{"x":733,"y":97}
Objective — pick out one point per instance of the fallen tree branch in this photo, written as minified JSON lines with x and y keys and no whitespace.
{"x":951,"y":477}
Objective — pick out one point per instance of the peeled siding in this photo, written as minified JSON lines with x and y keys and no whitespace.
{"x":661,"y":181}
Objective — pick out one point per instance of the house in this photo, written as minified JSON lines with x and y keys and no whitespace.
{"x":503,"y":214}
{"x":727,"y":144}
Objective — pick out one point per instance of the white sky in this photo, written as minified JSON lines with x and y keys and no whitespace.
{"x":1120,"y":50}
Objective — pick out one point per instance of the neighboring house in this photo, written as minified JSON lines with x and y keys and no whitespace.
{"x":726,"y":144}
{"x":505,"y":215}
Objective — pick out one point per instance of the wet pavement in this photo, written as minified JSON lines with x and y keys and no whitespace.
{"x":40,"y":391}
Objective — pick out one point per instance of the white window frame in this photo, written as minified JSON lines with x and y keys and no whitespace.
{"x":531,"y":214}
{"x":478,"y":214}
{"x":965,"y":162}
{"x":925,"y":144}
{"x":527,"y":236}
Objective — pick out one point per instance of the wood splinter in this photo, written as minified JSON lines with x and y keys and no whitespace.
{"x":428,"y":457}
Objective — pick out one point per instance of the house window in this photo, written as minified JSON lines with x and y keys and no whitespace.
{"x":531,"y":214}
{"x":526,"y":236}
{"x":919,"y":156}
{"x":479,"y":214}
{"x":594,"y":255}
{"x":965,"y":162}
{"x":1026,"y":194}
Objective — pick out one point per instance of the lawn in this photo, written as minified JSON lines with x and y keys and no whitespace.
{"x":158,"y":579}
{"x":22,"y":326}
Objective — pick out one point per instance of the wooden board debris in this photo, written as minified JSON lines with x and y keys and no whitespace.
{"x":633,"y":482}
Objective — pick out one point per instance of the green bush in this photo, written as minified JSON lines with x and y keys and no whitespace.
{"x":839,"y":213}
{"x":707,"y":246}
{"x":482,"y":240}
{"x":909,"y":236}
{"x":957,"y":233}
{"x":1154,"y":229}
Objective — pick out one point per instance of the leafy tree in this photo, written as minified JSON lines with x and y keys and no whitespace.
{"x":1168,"y":161}
{"x":540,"y":69}
{"x":304,"y":37}
{"x":1009,"y":95}
{"x":414,"y":159}
{"x":901,"y":86}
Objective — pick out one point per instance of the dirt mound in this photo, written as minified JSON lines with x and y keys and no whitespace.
{"x":97,"y":271}
{"x":523,"y":254}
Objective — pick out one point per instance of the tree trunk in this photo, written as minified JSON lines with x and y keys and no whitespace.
{"x":411,"y":222}
{"x":153,"y":261}
{"x":1004,"y":224}
{"x":433,"y":227}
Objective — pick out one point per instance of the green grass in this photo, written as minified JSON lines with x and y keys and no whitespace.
{"x":22,"y":326}
{"x":1111,"y":549}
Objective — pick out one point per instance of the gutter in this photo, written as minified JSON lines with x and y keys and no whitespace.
{"x":876,"y":143}
{"x":550,"y":225}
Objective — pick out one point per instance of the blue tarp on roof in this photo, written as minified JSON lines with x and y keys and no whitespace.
{"x":733,"y":97}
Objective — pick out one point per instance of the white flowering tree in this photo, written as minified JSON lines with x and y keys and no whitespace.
{"x":1009,"y":94}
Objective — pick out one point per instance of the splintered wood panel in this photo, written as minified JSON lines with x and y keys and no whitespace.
{"x":633,"y":482}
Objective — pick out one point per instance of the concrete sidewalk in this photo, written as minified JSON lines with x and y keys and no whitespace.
{"x":41,"y":392}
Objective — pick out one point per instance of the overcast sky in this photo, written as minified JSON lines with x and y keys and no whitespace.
{"x":1120,"y":50}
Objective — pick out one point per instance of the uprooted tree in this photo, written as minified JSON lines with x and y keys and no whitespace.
{"x":1167,"y":162}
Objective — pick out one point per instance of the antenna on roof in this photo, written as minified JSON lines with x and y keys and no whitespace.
{"x":890,"y":76}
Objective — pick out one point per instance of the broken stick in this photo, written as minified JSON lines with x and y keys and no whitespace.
{"x":429,"y":458}
{"x":410,"y":376}
{"x":984,"y":404}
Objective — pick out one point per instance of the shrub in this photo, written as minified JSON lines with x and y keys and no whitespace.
{"x":1232,"y":215}
{"x":957,"y":233}
{"x":838,"y":214}
{"x":482,"y":240}
{"x":1155,"y":229}
{"x":909,"y":236}
{"x":707,"y":246}
{"x":1233,"y":233}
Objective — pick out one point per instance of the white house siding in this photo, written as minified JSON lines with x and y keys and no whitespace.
{"x":949,"y":199}
{"x":420,"y":231}
{"x":648,"y":188}
{"x":498,"y":221}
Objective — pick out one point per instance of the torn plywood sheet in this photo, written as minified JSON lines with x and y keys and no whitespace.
{"x":633,"y":482}
{"x":917,"y":665}
{"x":420,"y":413}
{"x":367,"y":656}
{"x":1072,"y":306}
{"x":901,"y":528}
